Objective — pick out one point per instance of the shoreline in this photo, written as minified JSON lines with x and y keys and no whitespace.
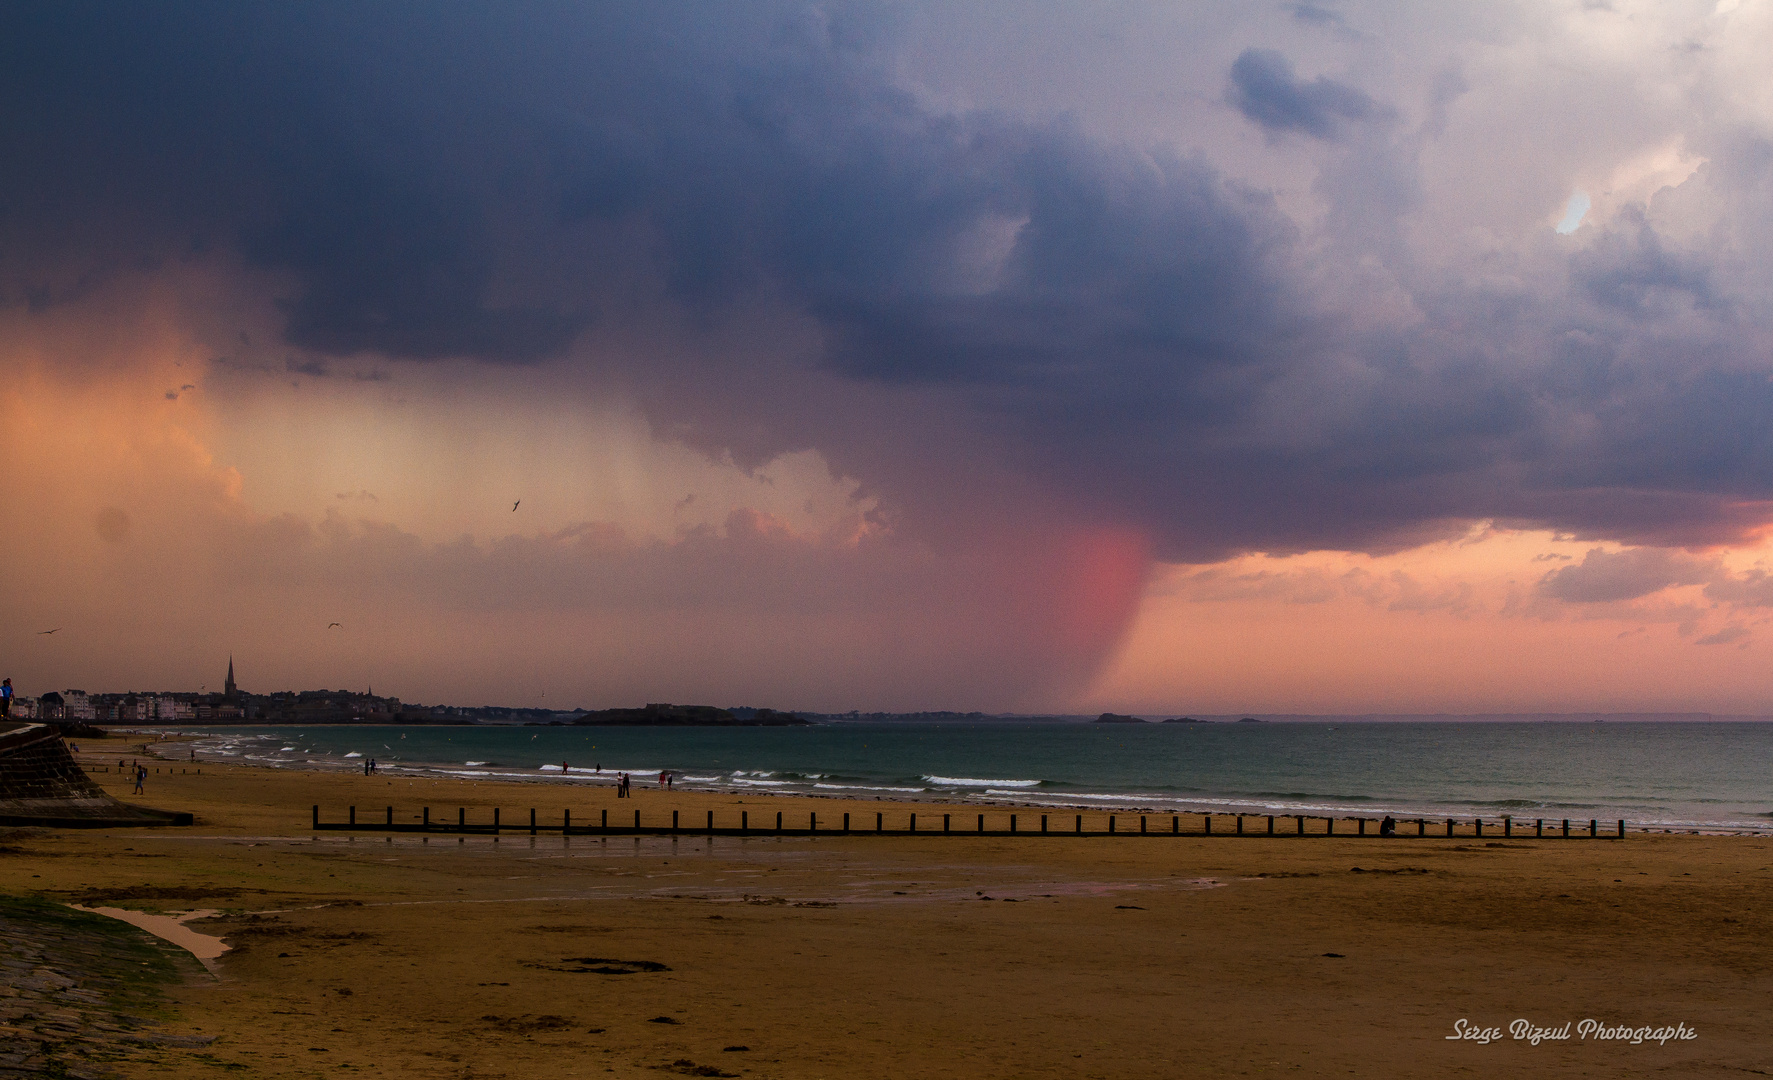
{"x":959,"y":801}
{"x":426,"y":957}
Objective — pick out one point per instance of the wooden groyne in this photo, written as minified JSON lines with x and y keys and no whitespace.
{"x":740,"y":823}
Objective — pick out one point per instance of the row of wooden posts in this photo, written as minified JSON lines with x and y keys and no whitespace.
{"x":676,"y":828}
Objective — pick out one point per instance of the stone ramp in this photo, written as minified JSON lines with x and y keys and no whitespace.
{"x":42,"y":784}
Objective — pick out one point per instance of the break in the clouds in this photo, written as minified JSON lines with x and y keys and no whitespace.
{"x":1285,"y":279}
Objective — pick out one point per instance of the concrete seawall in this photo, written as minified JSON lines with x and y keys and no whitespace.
{"x":42,"y":784}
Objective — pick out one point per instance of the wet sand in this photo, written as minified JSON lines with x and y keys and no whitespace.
{"x":934,"y":956}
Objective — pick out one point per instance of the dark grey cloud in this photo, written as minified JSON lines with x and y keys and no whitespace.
{"x":1263,"y":88}
{"x":1604,"y":576}
{"x":987,"y":320}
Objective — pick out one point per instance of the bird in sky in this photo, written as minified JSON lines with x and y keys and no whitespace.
{"x":515,"y":505}
{"x":40,"y":633}
{"x":330,"y":625}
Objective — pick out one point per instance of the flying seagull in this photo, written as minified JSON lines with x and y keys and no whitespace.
{"x":40,"y":633}
{"x":515,"y":505}
{"x":330,"y":625}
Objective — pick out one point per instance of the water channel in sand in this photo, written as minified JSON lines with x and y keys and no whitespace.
{"x":170,"y":928}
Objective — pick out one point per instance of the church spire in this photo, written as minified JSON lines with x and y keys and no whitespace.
{"x":228,"y":687}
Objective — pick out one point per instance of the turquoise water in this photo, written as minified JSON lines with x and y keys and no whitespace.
{"x":1670,"y":774}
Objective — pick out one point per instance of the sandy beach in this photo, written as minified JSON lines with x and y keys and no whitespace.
{"x":869,"y":956}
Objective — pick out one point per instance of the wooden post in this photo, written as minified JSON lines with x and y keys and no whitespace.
{"x":1013,"y":823}
{"x":812,"y":823}
{"x":1206,"y":824}
{"x":673,"y":821}
{"x":532,"y":821}
{"x":1421,"y":827}
{"x":606,"y":821}
{"x":352,"y":820}
{"x":1110,"y":822}
{"x":981,"y":822}
{"x":1362,"y":828}
{"x":1043,"y":824}
{"x":1566,"y":827}
{"x":1271,"y":824}
{"x":744,"y":820}
{"x":1141,"y":825}
{"x":1080,"y":824}
{"x":1449,"y":826}
{"x":1239,"y":828}
{"x":846,"y":823}
{"x":945,"y":818}
{"x":427,"y":818}
{"x":1477,"y":826}
{"x":495,"y":821}
{"x":879,"y":822}
{"x":1330,"y":825}
{"x":1301,"y":818}
{"x":390,"y":817}
{"x":710,"y":822}
{"x":1593,"y":827}
{"x":1621,"y":828}
{"x":1176,"y":824}
{"x":1538,"y":826}
{"x":1507,"y":826}
{"x":317,"y":815}
{"x":778,"y":821}
{"x":566,"y":822}
{"x":637,"y":820}
{"x":913,"y":826}
{"x":461,"y":819}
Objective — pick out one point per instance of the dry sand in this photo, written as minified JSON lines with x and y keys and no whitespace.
{"x":869,"y":956}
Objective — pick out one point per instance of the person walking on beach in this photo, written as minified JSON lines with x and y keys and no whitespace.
{"x":141,"y":774}
{"x":5,"y":699}
{"x":662,"y":775}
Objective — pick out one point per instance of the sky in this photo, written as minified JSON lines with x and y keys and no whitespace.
{"x":1242,"y":357}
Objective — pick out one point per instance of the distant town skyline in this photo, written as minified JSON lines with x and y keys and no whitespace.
{"x":1270,"y":357}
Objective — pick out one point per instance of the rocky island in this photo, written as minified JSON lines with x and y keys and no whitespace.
{"x":667,"y":715}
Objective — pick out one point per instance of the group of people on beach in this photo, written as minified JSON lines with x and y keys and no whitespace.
{"x":625,"y":782}
{"x":369,"y":767}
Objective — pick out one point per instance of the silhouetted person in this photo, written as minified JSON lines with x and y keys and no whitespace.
{"x":1388,"y":827}
{"x":5,"y":699}
{"x":141,"y":774}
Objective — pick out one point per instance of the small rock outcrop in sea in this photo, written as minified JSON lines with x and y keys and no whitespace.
{"x":666,"y":715}
{"x":1116,"y":718}
{"x":1185,"y":720}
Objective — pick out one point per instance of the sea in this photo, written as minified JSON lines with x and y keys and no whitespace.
{"x":1705,"y":775}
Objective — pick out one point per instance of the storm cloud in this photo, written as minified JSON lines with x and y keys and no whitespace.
{"x":1264,"y":89}
{"x":993,"y":321}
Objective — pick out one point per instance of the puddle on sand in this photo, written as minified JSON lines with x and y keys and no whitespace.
{"x":170,"y":928}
